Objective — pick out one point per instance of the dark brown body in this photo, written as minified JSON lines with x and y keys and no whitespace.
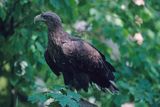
{"x":80,"y":63}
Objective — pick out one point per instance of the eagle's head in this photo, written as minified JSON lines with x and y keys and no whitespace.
{"x":50,"y":18}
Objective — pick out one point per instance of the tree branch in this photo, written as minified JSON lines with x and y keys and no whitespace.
{"x":85,"y":103}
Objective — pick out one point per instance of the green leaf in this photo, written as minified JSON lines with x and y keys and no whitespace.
{"x":37,"y":97}
{"x":2,"y":12}
{"x":73,"y":95}
{"x":17,"y":102}
{"x":39,"y":47}
{"x":24,"y":2}
{"x":56,"y":3}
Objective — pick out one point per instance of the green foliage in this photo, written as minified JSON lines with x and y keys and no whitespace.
{"x":59,"y":94}
{"x":112,"y":25}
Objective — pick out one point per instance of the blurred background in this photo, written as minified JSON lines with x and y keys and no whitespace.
{"x":127,"y":32}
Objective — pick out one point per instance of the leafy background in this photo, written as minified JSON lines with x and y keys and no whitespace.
{"x":127,"y":32}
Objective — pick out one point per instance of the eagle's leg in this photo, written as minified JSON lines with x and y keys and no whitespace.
{"x":80,"y":81}
{"x":68,"y":77}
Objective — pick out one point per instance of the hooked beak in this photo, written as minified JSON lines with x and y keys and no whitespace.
{"x":38,"y":18}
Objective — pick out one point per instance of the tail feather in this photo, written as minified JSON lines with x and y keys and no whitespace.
{"x":113,"y":88}
{"x":105,"y":84}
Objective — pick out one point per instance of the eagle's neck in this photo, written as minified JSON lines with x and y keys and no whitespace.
{"x":57,"y":36}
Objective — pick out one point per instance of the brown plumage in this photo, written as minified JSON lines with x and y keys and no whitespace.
{"x":80,"y":63}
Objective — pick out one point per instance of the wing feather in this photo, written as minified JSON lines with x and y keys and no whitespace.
{"x":51,"y":63}
{"x":87,"y":59}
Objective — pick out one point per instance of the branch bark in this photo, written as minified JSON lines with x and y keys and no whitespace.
{"x":85,"y":103}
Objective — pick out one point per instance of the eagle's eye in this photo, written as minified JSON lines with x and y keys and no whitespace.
{"x":44,"y":16}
